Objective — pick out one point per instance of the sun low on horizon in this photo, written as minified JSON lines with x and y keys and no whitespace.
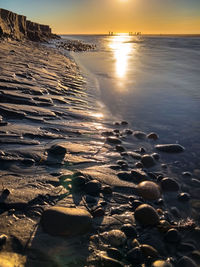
{"x":99,"y":17}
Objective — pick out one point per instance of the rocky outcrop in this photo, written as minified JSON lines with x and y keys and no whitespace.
{"x":18,"y":27}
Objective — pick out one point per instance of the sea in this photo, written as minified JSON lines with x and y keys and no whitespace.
{"x":153,"y":82}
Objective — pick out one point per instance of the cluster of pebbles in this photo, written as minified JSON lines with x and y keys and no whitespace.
{"x":109,"y":188}
{"x":75,"y":45}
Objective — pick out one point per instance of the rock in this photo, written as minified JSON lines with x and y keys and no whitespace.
{"x":149,"y":251}
{"x":186,"y":262}
{"x":135,"y":256}
{"x":139,"y":175}
{"x":114,"y":253}
{"x":120,"y":148}
{"x":184,"y":197}
{"x":128,"y":131}
{"x":93,"y":187}
{"x":138,"y":165}
{"x":135,"y":243}
{"x":57,"y":150}
{"x":170,"y":148}
{"x":66,"y":221}
{"x":124,"y":123}
{"x":169,"y":184}
{"x":124,"y":176}
{"x":3,"y":239}
{"x":186,"y":247}
{"x":115,"y":237}
{"x":153,"y":136}
{"x":173,"y":235}
{"x":195,"y":255}
{"x":109,"y":262}
{"x":113,"y":140}
{"x":90,"y":200}
{"x":99,"y":212}
{"x":156,"y":156}
{"x":187,"y":174}
{"x":148,"y":161}
{"x":139,"y":135}
{"x":129,"y":230}
{"x":161,"y":263}
{"x":146,"y":215}
{"x":149,"y":190}
{"x":106,"y":190}
{"x":136,"y":203}
{"x":79,"y":181}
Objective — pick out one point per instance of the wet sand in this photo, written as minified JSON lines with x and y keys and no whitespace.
{"x":51,"y":132}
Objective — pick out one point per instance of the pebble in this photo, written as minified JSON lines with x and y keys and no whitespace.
{"x":156,"y":156}
{"x":172,"y":236}
{"x":113,"y":140}
{"x":170,"y":148}
{"x":3,"y":239}
{"x":149,"y":190}
{"x":136,"y":203}
{"x":120,"y":148}
{"x":116,"y":238}
{"x":57,"y":150}
{"x":99,"y":212}
{"x":109,"y":262}
{"x":135,"y":243}
{"x":93,"y":187}
{"x":124,"y":175}
{"x":169,"y":184}
{"x":138,"y":165}
{"x":66,"y":221}
{"x":146,"y":215}
{"x":153,"y":136}
{"x":186,"y":174}
{"x":161,"y":263}
{"x":129,"y":230}
{"x":186,"y":262}
{"x":135,"y":256}
{"x":149,"y":251}
{"x":164,"y":226}
{"x":139,"y":135}
{"x":106,"y":190}
{"x":128,"y":132}
{"x":124,"y":123}
{"x":114,"y":253}
{"x":184,"y":197}
{"x":139,"y":174}
{"x":148,"y":161}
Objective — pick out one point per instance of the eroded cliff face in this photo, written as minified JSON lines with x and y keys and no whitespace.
{"x":18,"y":27}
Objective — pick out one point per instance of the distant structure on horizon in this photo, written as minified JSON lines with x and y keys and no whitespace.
{"x":130,"y":33}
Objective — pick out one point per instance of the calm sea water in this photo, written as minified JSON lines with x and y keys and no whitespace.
{"x":152,"y":82}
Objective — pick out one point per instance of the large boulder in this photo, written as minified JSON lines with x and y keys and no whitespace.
{"x":66,"y":221}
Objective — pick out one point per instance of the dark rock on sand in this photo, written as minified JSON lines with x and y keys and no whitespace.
{"x":119,"y":148}
{"x":148,"y":161}
{"x":169,"y":184}
{"x":113,"y":140}
{"x":146,"y":215}
{"x":139,"y":135}
{"x":57,"y":150}
{"x":153,"y":136}
{"x":99,"y":212}
{"x":173,"y":236}
{"x":93,"y":187}
{"x":3,"y":239}
{"x":161,"y":263}
{"x":115,"y":237}
{"x":129,"y":230}
{"x":186,"y":262}
{"x":149,"y":190}
{"x":170,"y":148}
{"x":184,"y":197}
{"x":66,"y":221}
{"x":139,"y":174}
{"x":156,"y":156}
{"x":187,"y":174}
{"x":149,"y":251}
{"x":124,"y":123}
{"x":135,"y":155}
{"x":124,"y":175}
{"x":106,"y":190}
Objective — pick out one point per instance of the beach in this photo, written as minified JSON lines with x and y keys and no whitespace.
{"x":61,"y":148}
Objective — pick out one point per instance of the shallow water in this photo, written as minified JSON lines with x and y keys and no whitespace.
{"x":153,"y":82}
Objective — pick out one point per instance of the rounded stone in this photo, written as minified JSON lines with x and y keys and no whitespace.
{"x":149,"y":251}
{"x":114,"y":253}
{"x":93,"y":187}
{"x":170,"y":148}
{"x":66,"y":221}
{"x":57,"y":150}
{"x":169,"y":184}
{"x":156,"y":156}
{"x":119,"y":148}
{"x":186,"y":262}
{"x":135,"y":255}
{"x":139,"y":134}
{"x":99,"y":212}
{"x":184,"y":197}
{"x":146,"y":215}
{"x":148,"y":161}
{"x":149,"y":190}
{"x":153,"y":136}
{"x":172,"y":236}
{"x":116,"y":238}
{"x":161,"y":263}
{"x":108,"y":262}
{"x":106,"y":190}
{"x":129,"y":230}
{"x":113,"y":140}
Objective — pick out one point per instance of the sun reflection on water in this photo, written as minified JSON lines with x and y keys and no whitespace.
{"x":121,"y":47}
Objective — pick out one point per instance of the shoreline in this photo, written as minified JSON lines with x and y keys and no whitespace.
{"x":49,"y":131}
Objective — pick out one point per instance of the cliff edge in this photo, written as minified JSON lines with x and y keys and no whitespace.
{"x":18,"y":27}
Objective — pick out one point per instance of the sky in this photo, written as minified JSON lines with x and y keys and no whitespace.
{"x":102,"y":16}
